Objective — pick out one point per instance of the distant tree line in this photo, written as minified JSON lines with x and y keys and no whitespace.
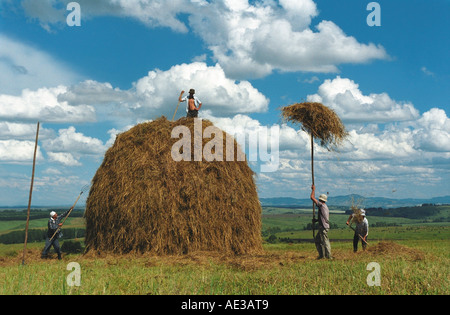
{"x":383,"y":224}
{"x":19,"y":215}
{"x":418,"y":212}
{"x":38,"y":235}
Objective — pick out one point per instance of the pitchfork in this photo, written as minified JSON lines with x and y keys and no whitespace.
{"x":83,"y":190}
{"x":362,"y":239}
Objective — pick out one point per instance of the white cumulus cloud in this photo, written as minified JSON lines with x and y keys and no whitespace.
{"x":344,"y":96}
{"x":64,"y":158}
{"x":252,"y":40}
{"x":432,"y":131}
{"x":18,"y":151}
{"x":157,"y":93}
{"x":218,"y":93}
{"x":69,"y":140}
{"x":20,"y":131}
{"x":43,"y":105}
{"x":69,"y":146}
{"x":248,"y":39}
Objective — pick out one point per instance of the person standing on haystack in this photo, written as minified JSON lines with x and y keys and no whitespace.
{"x":53,"y":225}
{"x":193,"y":103}
{"x":361,"y":230}
{"x":322,"y":241}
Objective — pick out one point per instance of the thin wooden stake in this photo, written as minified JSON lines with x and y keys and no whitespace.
{"x":175,"y":111}
{"x":312,"y":174}
{"x":29,"y":199}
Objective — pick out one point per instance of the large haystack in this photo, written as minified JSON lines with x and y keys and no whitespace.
{"x":142,"y":200}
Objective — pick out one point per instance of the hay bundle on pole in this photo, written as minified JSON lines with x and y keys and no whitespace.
{"x":141,"y":200}
{"x":319,"y":122}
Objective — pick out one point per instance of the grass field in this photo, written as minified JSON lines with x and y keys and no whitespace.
{"x":291,"y":226}
{"x":416,"y":262}
{"x":7,"y":226}
{"x":406,"y":267}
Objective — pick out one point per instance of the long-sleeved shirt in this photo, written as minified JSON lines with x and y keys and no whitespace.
{"x":53,"y":224}
{"x":362,"y":228}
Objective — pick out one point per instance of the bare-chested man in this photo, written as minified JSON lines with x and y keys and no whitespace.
{"x":193,"y":103}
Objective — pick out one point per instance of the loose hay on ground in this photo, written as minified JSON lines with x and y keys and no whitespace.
{"x":394,"y":250}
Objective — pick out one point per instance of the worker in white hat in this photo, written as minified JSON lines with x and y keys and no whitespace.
{"x":322,"y":241}
{"x":361,"y":230}
{"x":54,"y":233}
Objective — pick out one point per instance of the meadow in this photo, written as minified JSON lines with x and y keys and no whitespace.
{"x":413,"y":259}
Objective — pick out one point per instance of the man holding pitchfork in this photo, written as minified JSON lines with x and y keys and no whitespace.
{"x":54,"y":232}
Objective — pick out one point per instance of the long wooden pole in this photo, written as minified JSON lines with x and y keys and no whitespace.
{"x":175,"y":111}
{"x":29,"y":198}
{"x":312,"y":175}
{"x":70,"y":211}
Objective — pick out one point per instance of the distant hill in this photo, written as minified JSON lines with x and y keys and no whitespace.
{"x":337,"y":201}
{"x":346,"y":201}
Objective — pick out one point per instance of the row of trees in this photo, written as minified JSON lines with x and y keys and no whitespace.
{"x":38,"y":235}
{"x":418,"y":212}
{"x":21,"y":215}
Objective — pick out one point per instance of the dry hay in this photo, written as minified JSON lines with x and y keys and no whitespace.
{"x":394,"y":250}
{"x":265,"y":260}
{"x":245,"y":262}
{"x":317,"y":120}
{"x":141,"y":200}
{"x":357,"y":215}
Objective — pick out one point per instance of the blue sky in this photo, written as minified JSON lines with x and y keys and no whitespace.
{"x":129,"y":59}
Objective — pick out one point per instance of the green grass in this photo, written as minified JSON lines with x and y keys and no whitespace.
{"x":380,"y":233}
{"x":292,"y":226}
{"x":8,"y":226}
{"x":283,"y":268}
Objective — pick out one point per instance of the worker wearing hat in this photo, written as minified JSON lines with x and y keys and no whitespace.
{"x":53,"y":233}
{"x":193,"y":103}
{"x":361,"y":230}
{"x":322,"y":241}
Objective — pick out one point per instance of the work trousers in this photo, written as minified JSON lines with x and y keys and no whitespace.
{"x":356,"y":240}
{"x":192,"y":114}
{"x":48,"y":244}
{"x":323,"y":243}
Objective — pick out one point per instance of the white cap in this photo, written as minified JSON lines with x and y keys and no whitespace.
{"x":363,"y":212}
{"x":52,"y":214}
{"x":323,"y":198}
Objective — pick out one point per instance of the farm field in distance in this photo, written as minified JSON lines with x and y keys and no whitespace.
{"x":412,"y":254}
